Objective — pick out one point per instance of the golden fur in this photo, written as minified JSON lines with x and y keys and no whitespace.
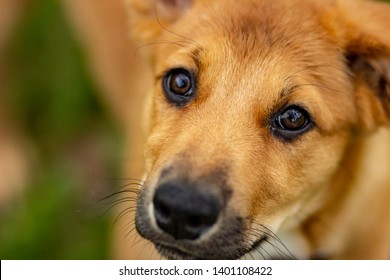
{"x":251,"y":58}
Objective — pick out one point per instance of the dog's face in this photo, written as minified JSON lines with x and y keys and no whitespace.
{"x":253,"y":107}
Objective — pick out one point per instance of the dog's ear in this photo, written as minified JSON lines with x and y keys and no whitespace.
{"x":366,"y":41}
{"x":149,"y":17}
{"x":371,"y":77}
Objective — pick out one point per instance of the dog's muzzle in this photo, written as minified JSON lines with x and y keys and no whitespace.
{"x":191,"y":218}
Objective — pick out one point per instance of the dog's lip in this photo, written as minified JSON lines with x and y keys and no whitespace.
{"x":256,"y":244}
{"x":280,"y":253}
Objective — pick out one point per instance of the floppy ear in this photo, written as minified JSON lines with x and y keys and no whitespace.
{"x":149,"y":17}
{"x":367,"y":48}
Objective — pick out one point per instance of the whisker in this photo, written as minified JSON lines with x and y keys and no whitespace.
{"x":128,"y":229}
{"x":170,"y":31}
{"x":125,"y":199}
{"x":259,"y":249}
{"x":275,"y":237}
{"x":250,"y":255}
{"x":280,"y":248}
{"x":319,"y":85}
{"x":153,"y":254}
{"x":118,"y":201}
{"x":116,"y":204}
{"x":126,"y":179}
{"x":182,"y":44}
{"x":322,"y":86}
{"x":123,"y":213}
{"x":313,"y":67}
{"x":109,"y":202}
{"x":133,"y":191}
{"x":136,"y":243}
{"x":275,"y":248}
{"x":250,"y":246}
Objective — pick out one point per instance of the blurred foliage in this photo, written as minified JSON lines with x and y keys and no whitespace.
{"x":72,"y":140}
{"x":51,"y":91}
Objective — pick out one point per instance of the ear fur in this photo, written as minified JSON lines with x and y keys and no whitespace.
{"x":149,"y":17}
{"x":371,"y":77}
{"x":367,"y":48}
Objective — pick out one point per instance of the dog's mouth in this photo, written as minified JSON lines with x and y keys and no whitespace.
{"x":187,"y":221}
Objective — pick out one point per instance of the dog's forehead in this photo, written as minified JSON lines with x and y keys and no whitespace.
{"x":266,"y":22}
{"x":252,"y":31}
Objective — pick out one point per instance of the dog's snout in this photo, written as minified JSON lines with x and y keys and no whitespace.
{"x":185,"y":212}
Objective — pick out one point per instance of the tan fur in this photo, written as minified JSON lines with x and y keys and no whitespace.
{"x":250,"y":58}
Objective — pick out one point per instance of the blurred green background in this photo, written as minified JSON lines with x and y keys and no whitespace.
{"x":73,"y":141}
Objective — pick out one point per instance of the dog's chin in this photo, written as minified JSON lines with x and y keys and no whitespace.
{"x":172,"y":253}
{"x":175,"y":253}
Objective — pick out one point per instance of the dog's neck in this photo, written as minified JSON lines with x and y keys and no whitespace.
{"x":351,"y":210}
{"x":354,"y":210}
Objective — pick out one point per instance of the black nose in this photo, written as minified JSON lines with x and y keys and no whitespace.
{"x":185,"y":212}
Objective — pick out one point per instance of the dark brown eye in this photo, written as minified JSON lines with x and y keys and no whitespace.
{"x":179,"y":85}
{"x":292,"y":119}
{"x":291,"y":123}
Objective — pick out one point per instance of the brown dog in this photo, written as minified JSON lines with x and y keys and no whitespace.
{"x":264,"y":120}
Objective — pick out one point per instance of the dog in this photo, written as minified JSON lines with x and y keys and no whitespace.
{"x":267,"y":118}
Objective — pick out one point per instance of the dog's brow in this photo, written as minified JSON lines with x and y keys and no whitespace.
{"x":286,"y":91}
{"x":197,"y":56}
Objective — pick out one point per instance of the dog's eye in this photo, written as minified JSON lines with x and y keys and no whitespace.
{"x":291,"y":123}
{"x":292,"y":119}
{"x":178,"y":85}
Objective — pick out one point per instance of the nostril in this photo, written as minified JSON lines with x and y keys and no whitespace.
{"x":194,"y":221}
{"x":162,"y":210}
{"x":200,"y":221}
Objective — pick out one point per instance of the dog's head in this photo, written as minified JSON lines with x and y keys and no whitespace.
{"x":253,"y":107}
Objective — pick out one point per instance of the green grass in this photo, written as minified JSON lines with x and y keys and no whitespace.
{"x":74,"y":143}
